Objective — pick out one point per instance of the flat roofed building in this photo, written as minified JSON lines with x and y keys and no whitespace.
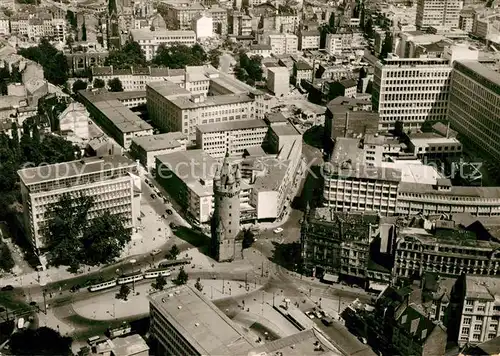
{"x":233,"y":137}
{"x":283,"y":43}
{"x":474,"y":105}
{"x":278,"y":80}
{"x":309,"y":40}
{"x":221,"y":99}
{"x":109,"y":180}
{"x":399,"y":82}
{"x":146,"y":148}
{"x":438,"y":13}
{"x":136,"y":78}
{"x":188,"y":177}
{"x":116,"y":119}
{"x":150,"y":41}
{"x":184,"y":322}
{"x":433,"y":145}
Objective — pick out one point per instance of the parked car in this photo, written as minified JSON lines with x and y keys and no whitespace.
{"x":278,"y":230}
{"x":155,"y":252}
{"x":169,"y":212}
{"x":150,"y":184}
{"x":153,"y":196}
{"x":310,"y":314}
{"x":147,"y":181}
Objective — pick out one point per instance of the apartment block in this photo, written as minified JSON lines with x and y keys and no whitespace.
{"x":309,"y":40}
{"x":410,"y":91}
{"x":108,"y":180}
{"x":207,"y":97}
{"x":479,"y":310}
{"x":474,"y":105}
{"x":150,"y":41}
{"x":336,"y":244}
{"x":436,"y":13}
{"x":219,"y":139}
{"x":181,"y":14}
{"x":338,"y":42}
{"x":466,"y":20}
{"x":286,"y":23}
{"x":283,"y":43}
{"x":38,"y":26}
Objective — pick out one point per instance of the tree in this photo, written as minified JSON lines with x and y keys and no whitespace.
{"x":386,"y":46}
{"x":130,"y":55}
{"x":84,"y":32}
{"x":214,"y":57}
{"x":71,"y":18}
{"x":159,"y":283}
{"x":99,"y":83}
{"x":198,"y":284}
{"x":6,"y":260}
{"x":362,"y":18}
{"x":104,"y":239}
{"x":123,"y":293}
{"x":182,"y":277}
{"x":174,"y":252}
{"x":35,"y":133}
{"x":79,"y":85}
{"x":362,"y":74}
{"x":369,"y":28}
{"x":248,"y":238}
{"x":331,"y":22}
{"x":41,"y":341}
{"x":69,"y":42}
{"x":65,"y":224}
{"x":115,"y":85}
{"x":179,"y":56}
{"x":15,"y":75}
{"x":55,"y":66}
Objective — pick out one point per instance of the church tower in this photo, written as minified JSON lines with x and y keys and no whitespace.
{"x":226,"y":238}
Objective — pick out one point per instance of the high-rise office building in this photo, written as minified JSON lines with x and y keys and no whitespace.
{"x":437,"y":13}
{"x":410,"y":91}
{"x":474,"y":108}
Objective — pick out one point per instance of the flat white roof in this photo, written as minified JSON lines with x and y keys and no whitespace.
{"x":414,"y":172}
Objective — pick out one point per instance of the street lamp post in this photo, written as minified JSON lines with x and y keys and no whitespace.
{"x":133,"y":277}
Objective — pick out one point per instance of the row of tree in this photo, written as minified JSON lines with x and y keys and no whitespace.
{"x":114,"y":85}
{"x":175,"y":56}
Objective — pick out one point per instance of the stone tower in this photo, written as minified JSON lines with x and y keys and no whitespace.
{"x":226,"y":237}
